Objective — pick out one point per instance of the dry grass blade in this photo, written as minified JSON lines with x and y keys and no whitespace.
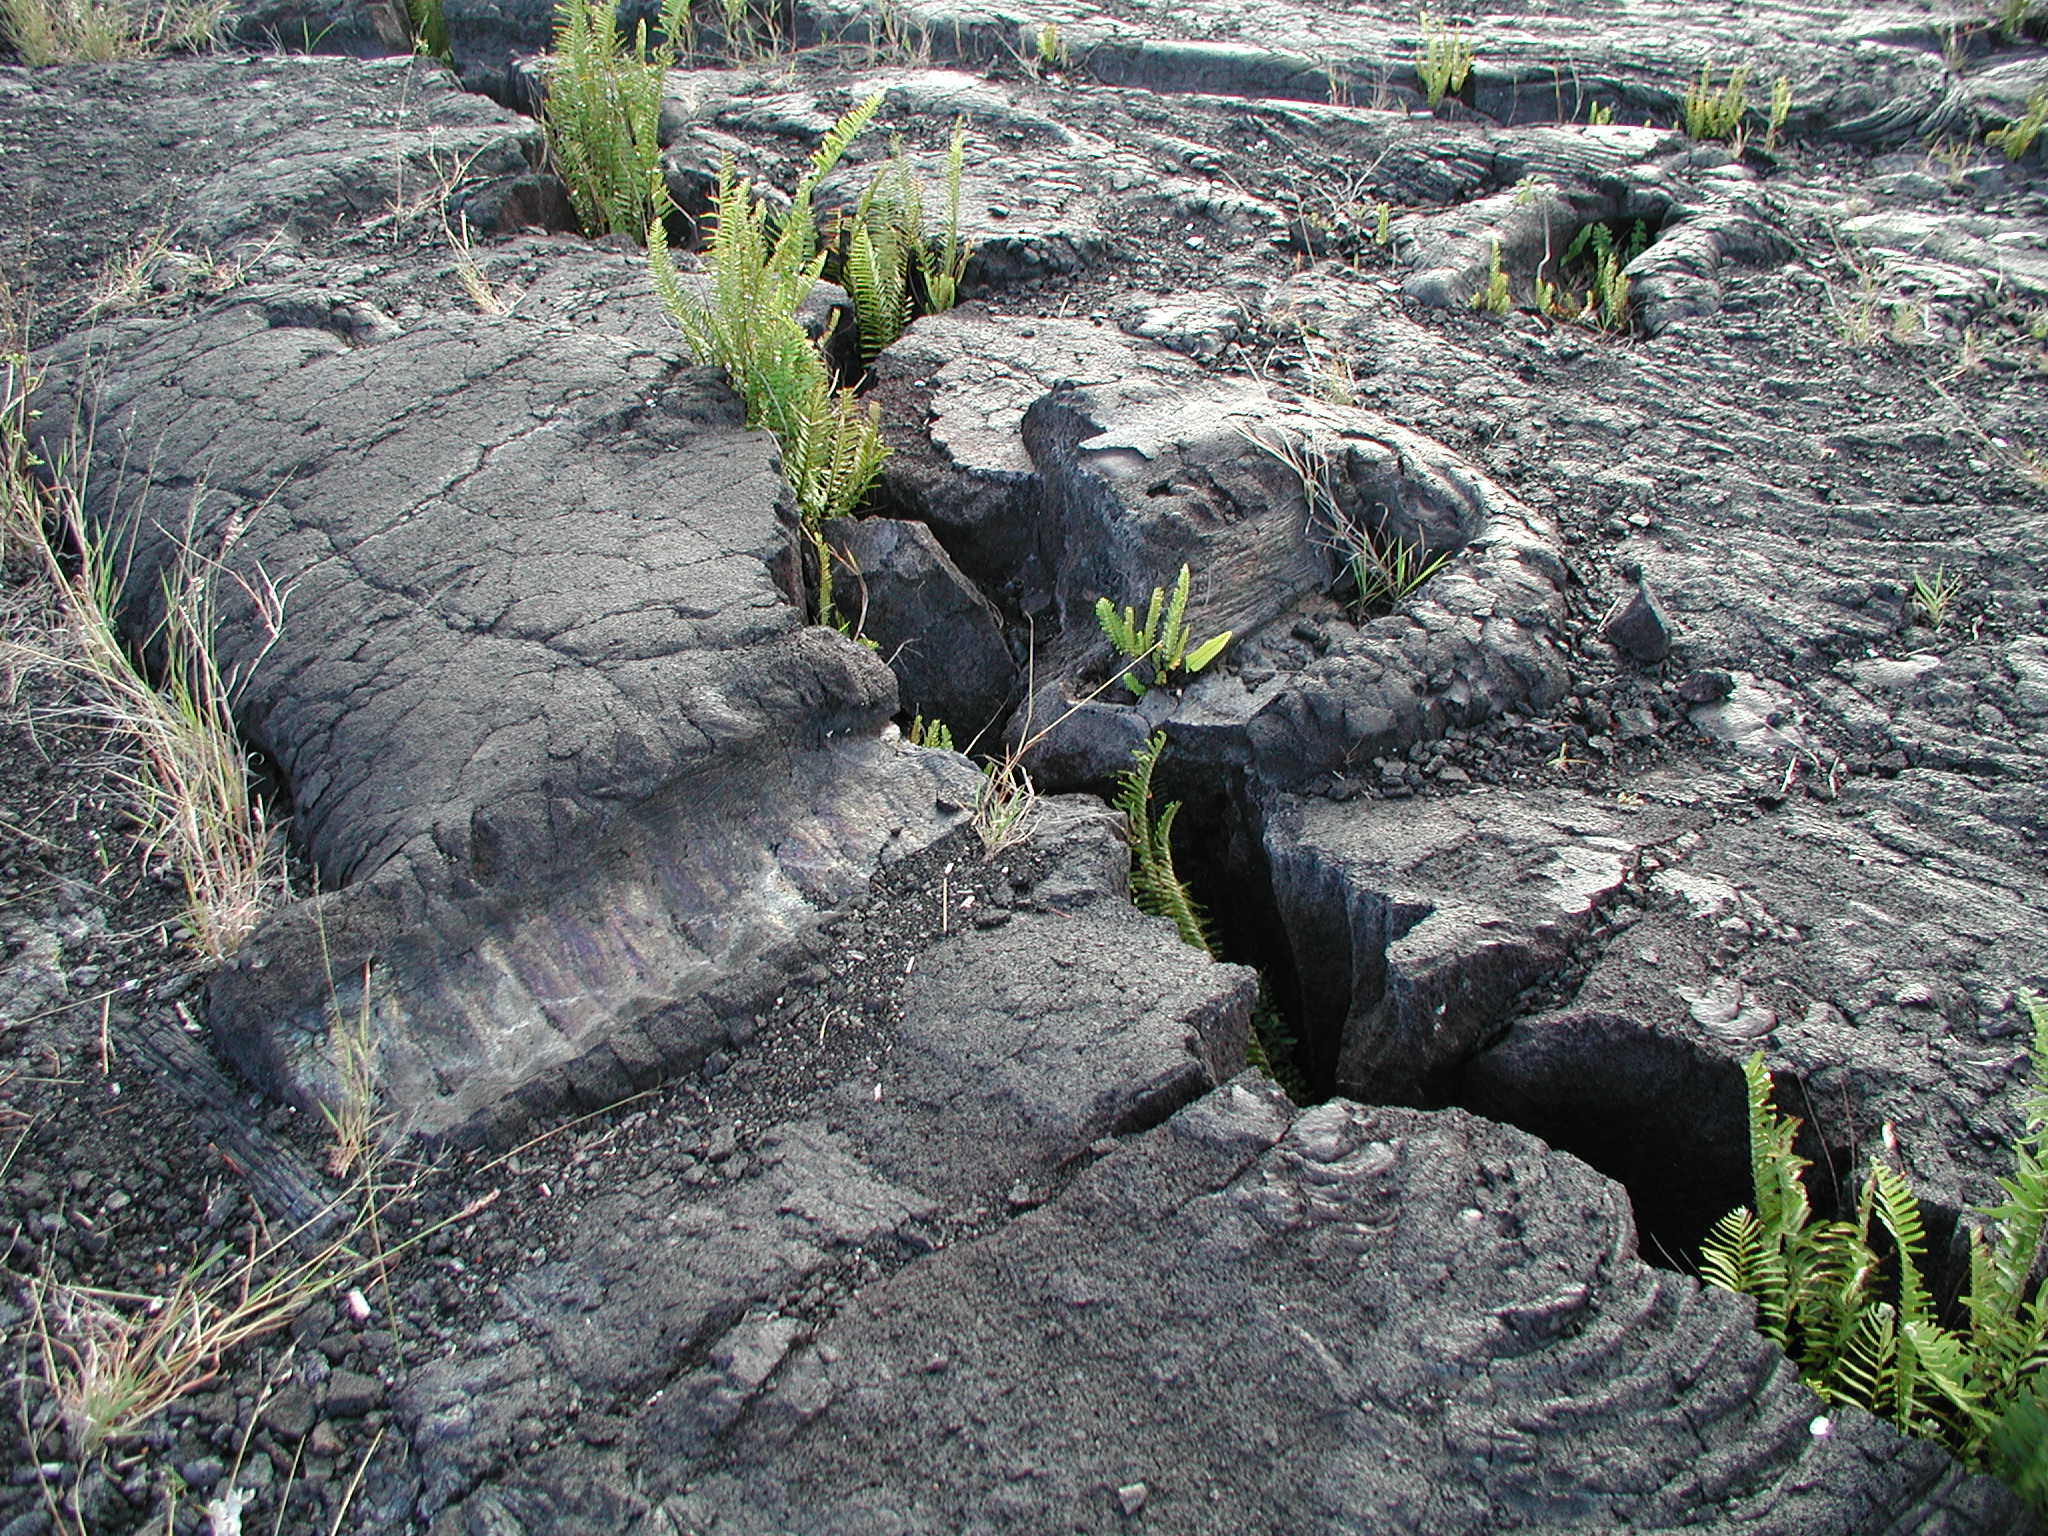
{"x":1003,"y":807}
{"x":111,"y":1361}
{"x":106,"y":31}
{"x":190,"y":778}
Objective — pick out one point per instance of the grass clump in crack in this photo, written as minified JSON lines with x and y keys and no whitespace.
{"x":1376,"y":568}
{"x":1849,"y":1300}
{"x":759,"y":270}
{"x":1162,"y":640}
{"x":602,"y":113}
{"x":187,"y":773}
{"x":1934,"y":594}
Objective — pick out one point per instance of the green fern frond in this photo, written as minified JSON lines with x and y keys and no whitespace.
{"x":1733,"y":1253}
{"x":2018,"y":1445}
{"x":876,"y":270}
{"x":1155,"y":887}
{"x":944,"y":268}
{"x":933,"y":733}
{"x":1775,"y":1169}
{"x":746,"y":323}
{"x":1898,"y":1212}
{"x":1862,"y":1374}
{"x":1932,"y":1394}
{"x":2000,"y":1283}
{"x":1979,"y":1392}
{"x":1161,"y":642}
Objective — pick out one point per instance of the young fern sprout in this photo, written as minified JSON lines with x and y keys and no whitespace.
{"x":933,"y":733}
{"x":1781,"y":108}
{"x":1933,"y":595}
{"x":1604,"y":303}
{"x":1711,"y":113}
{"x":1162,"y":640}
{"x":1155,"y":887}
{"x":944,"y":268}
{"x":1493,"y":296}
{"x":2017,"y":136}
{"x":1444,"y":61}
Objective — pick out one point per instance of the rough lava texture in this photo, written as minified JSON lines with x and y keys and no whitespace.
{"x":868,"y":1179}
{"x":1438,"y":1325}
{"x":530,"y":624}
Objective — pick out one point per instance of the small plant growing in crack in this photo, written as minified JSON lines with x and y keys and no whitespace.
{"x":932,"y":733}
{"x":1004,"y":804}
{"x":1051,"y":49}
{"x":2017,"y":136}
{"x":1858,"y":1316}
{"x":1603,"y":302}
{"x":1386,"y":569}
{"x":1443,"y":62}
{"x":1933,"y":595}
{"x":1716,"y":112}
{"x":1375,"y":569}
{"x":1781,"y":108}
{"x":602,"y":114}
{"x":890,"y":264}
{"x":1162,"y":640}
{"x":760,"y":272}
{"x":1493,"y":296}
{"x":1155,"y":886}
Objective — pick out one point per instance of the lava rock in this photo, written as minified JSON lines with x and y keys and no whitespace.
{"x":1638,"y":628}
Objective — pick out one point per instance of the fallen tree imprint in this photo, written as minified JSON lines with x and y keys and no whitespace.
{"x":1588,"y":508}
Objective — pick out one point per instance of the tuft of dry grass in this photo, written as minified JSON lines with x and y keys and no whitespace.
{"x":110,"y":1361}
{"x":107,"y":31}
{"x":187,"y":772}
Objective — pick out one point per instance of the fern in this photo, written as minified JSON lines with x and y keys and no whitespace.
{"x":1162,"y":640}
{"x":1709,"y":113}
{"x":1978,"y":1391}
{"x":602,"y":117}
{"x":888,"y":264}
{"x":2008,"y":1325}
{"x":932,"y":733}
{"x":884,"y":245}
{"x":2019,"y":1445}
{"x":944,"y":269}
{"x":1155,"y":887}
{"x":758,"y":273}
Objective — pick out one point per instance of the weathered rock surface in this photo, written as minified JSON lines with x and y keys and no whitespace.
{"x":1435,"y":1324}
{"x":1037,"y":1029}
{"x":1678,"y":757}
{"x":530,"y":626}
{"x":250,"y":162}
{"x":940,"y":636}
{"x":1094,"y":467}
